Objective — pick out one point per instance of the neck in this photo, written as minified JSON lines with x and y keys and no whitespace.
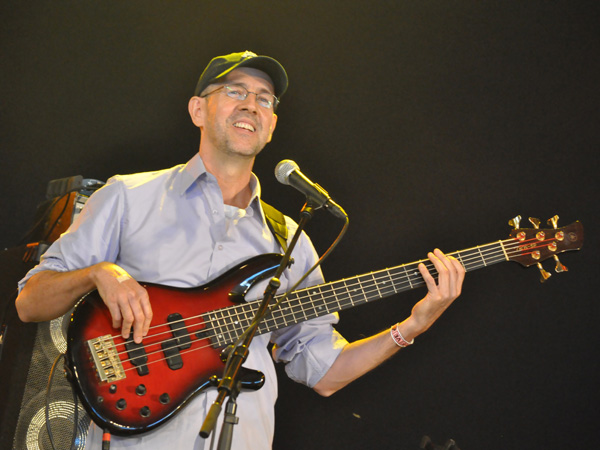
{"x":233,"y":175}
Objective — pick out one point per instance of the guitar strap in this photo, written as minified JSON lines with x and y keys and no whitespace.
{"x":276,"y":223}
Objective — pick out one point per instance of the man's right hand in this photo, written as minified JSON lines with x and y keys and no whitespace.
{"x":50,"y":294}
{"x":125,"y":298}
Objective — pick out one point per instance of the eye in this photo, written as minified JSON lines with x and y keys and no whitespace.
{"x":237,"y":92}
{"x":264,"y":100}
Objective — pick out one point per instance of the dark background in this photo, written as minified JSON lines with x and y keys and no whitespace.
{"x":432,"y":123}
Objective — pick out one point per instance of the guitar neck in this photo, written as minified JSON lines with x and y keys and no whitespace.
{"x":316,"y":301}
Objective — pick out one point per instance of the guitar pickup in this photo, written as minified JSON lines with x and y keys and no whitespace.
{"x":181,"y":341}
{"x":180,"y":332}
{"x":137,"y":357}
{"x":172,"y":355}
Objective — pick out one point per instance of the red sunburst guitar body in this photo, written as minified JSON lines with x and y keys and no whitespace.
{"x":133,"y":390}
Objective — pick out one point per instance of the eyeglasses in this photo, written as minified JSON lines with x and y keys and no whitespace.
{"x":240,"y":93}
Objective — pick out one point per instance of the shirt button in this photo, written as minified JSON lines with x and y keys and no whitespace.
{"x":215,"y":212}
{"x":220,"y":247}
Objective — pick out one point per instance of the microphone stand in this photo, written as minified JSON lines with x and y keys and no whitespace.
{"x":229,"y":384}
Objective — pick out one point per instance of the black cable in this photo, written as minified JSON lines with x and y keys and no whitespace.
{"x":47,"y":411}
{"x":75,"y":416}
{"x":281,"y":299}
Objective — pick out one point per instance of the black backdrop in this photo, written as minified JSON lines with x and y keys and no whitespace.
{"x":432,"y":123}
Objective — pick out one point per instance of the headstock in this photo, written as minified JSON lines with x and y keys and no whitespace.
{"x":531,"y":246}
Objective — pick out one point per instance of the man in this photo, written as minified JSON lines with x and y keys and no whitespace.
{"x":187,"y":225}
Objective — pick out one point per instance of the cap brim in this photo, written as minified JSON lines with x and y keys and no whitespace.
{"x":272,"y":68}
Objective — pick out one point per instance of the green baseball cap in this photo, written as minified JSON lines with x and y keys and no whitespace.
{"x":222,"y":65}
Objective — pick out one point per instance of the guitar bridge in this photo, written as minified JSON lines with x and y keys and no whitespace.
{"x":106,"y":359}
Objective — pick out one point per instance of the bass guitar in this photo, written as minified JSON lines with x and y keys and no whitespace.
{"x":131,"y":388}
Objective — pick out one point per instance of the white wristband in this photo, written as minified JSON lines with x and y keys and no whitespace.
{"x":398,"y":338}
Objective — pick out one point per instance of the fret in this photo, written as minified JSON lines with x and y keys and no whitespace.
{"x":282,"y":316}
{"x":208,"y":329}
{"x":319,"y":304}
{"x":318,"y":298}
{"x":340,"y":294}
{"x":414,"y":276}
{"x":299,"y":307}
{"x":240,"y":317}
{"x":287,"y":313}
{"x":408,"y":276}
{"x":481,"y":254}
{"x":244,"y":319}
{"x":470,"y":258}
{"x":376,"y":285}
{"x":230,"y":328}
{"x":278,"y":316}
{"x":217,"y":335}
{"x":238,"y":322}
{"x":494,"y":253}
{"x":269,"y":322}
{"x":386,"y":284}
{"x":396,"y":275}
{"x":351,"y":289}
{"x":218,"y":319}
{"x":501,"y":244}
{"x":459,"y":257}
{"x":295,"y":308}
{"x":360,"y":291}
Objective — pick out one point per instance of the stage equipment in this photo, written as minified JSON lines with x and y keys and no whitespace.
{"x":28,"y":350}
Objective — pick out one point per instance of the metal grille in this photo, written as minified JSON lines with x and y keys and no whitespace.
{"x":31,"y":433}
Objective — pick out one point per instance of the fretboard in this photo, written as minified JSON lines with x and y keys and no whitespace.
{"x":309,"y":303}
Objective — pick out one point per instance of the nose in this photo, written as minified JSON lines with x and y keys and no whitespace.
{"x":250,"y":103}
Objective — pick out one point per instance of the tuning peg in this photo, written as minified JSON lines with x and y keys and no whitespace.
{"x":545,"y":274}
{"x":535,"y":222}
{"x":560,"y":267}
{"x":554,"y":222}
{"x":514,"y":222}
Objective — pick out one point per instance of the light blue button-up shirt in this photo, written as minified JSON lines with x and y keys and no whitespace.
{"x":171,"y":227}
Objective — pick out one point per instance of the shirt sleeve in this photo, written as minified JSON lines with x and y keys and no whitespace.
{"x":92,"y":238}
{"x":308,"y":349}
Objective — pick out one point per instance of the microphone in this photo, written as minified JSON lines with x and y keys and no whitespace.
{"x":288,"y":172}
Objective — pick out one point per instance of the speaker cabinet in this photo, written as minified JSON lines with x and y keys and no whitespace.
{"x":55,"y":407}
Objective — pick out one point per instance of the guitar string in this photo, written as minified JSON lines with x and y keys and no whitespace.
{"x":431,"y":268}
{"x":293,"y":313}
{"x":403,"y":275}
{"x":498,"y":254}
{"x":320,"y":291}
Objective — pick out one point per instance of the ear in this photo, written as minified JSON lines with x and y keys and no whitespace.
{"x":196,"y":109}
{"x":272,"y":128}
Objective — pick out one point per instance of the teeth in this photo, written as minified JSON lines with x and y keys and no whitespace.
{"x":245,"y":126}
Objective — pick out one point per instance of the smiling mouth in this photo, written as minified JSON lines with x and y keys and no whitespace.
{"x":245,"y":126}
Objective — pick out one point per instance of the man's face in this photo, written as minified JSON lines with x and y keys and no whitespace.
{"x":237,"y":127}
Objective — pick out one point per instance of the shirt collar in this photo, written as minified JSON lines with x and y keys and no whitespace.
{"x":188,"y":174}
{"x":194,"y":169}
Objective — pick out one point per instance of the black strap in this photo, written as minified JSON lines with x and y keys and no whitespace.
{"x":276,"y":222}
